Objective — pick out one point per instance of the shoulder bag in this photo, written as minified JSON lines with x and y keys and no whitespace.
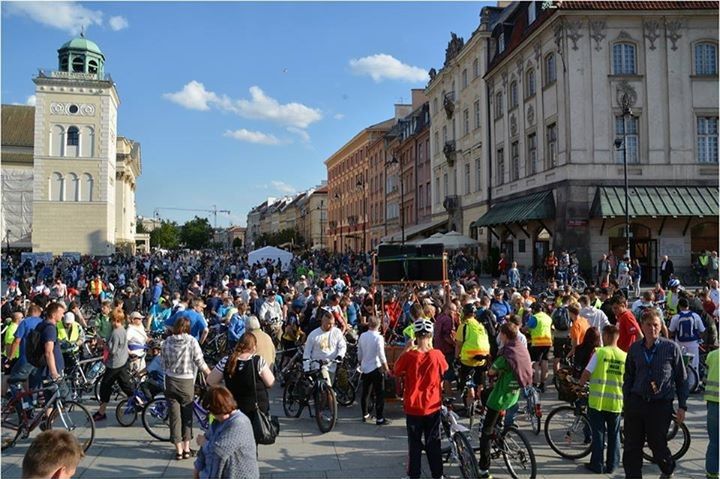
{"x":265,"y":426}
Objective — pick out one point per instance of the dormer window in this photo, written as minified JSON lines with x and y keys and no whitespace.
{"x":531,"y":13}
{"x":501,"y":43}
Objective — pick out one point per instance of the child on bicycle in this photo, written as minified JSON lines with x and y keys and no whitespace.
{"x":511,"y":370}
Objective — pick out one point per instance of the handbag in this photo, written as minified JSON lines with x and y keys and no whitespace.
{"x":265,"y":426}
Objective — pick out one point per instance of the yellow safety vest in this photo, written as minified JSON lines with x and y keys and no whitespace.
{"x":712,"y":385}
{"x":475,"y":342}
{"x":670,"y":304}
{"x":541,"y":334}
{"x":606,"y":380}
{"x":62,"y":334}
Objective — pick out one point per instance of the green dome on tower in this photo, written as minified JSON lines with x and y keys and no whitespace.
{"x":81,"y":55}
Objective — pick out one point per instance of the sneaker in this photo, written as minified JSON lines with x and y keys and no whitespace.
{"x":366,"y":417}
{"x":485,"y":475}
{"x":382,"y":422}
{"x":99,"y":417}
{"x":667,"y":476}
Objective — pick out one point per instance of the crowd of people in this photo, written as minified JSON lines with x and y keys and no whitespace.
{"x":159,"y":314}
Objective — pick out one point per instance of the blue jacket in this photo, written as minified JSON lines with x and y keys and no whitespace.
{"x":500,"y":308}
{"x":229,"y":451}
{"x":236,"y":328}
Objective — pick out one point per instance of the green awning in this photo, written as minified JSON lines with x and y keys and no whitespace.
{"x":536,"y":206}
{"x":656,"y":201}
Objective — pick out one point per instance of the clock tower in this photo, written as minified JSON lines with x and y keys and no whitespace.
{"x":74,"y":167}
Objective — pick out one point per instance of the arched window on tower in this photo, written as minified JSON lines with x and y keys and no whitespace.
{"x":64,"y":63}
{"x":72,"y":141}
{"x":57,"y":140}
{"x":87,"y":187}
{"x":57,"y":187}
{"x":92,"y":66}
{"x":78,"y":64}
{"x":73,"y":187}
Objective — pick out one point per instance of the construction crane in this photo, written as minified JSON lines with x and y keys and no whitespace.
{"x":214,"y":211}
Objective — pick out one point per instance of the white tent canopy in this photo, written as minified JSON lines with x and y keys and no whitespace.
{"x":271,"y":253}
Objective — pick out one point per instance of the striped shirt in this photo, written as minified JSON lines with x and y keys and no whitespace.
{"x":661,"y":365}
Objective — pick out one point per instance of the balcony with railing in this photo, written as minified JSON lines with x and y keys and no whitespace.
{"x":53,"y":73}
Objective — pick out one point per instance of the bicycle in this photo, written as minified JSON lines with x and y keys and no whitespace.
{"x":155,"y":417}
{"x":532,"y":411}
{"x":312,"y":384}
{"x":459,"y":448}
{"x":24,"y":410}
{"x":513,"y":446}
{"x":693,"y":377}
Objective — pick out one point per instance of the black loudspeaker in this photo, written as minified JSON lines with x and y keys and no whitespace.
{"x":432,"y":250}
{"x":428,"y":269}
{"x":390,"y":270}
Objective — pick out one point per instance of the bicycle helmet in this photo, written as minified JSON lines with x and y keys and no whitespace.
{"x":423,"y":326}
{"x":674,"y":283}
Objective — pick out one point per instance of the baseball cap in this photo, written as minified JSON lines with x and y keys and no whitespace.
{"x":69,"y":317}
{"x":136,"y":315}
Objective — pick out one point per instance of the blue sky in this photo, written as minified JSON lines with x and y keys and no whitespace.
{"x":235,"y":102}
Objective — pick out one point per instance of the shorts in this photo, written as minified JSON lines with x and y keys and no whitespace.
{"x":450,"y":373}
{"x":479,"y":375}
{"x":561,"y":347}
{"x":539,"y":353}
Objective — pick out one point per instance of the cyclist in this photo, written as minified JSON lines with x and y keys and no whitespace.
{"x":605,"y":373}
{"x":686,"y":328}
{"x":513,"y":370}
{"x":71,"y":336}
{"x":422,"y":368}
{"x":325,"y":343}
{"x":673,"y":296}
{"x":472,"y":349}
{"x":540,"y":327}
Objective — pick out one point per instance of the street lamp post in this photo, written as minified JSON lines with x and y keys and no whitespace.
{"x":7,"y":240}
{"x":394,"y":161}
{"x":626,"y":112}
{"x":338,"y":197}
{"x":361,"y":186}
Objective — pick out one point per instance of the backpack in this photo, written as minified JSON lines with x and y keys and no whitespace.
{"x":34,"y":346}
{"x":686,"y":328}
{"x":561,"y":319}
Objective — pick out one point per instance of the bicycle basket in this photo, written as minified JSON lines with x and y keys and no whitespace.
{"x":566,"y":389}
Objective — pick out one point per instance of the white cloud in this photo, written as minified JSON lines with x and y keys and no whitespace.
{"x":193,"y":96}
{"x":252,"y":137}
{"x":31,"y":100}
{"x":283,"y":187}
{"x":67,"y":16}
{"x":383,"y":66}
{"x":304,"y":137}
{"x":338,"y":116}
{"x":258,"y":107}
{"x":118,"y":23}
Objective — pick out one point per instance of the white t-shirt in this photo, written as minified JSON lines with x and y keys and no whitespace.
{"x":371,"y":351}
{"x":324,"y":345}
{"x":137,"y":337}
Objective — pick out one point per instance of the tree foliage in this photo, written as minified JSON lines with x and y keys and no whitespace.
{"x":166,"y":236}
{"x":289,"y":235}
{"x":140,"y":228}
{"x":196,"y":233}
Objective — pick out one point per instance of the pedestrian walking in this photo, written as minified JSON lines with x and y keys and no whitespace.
{"x":654,"y":375}
{"x":373,"y":365}
{"x":181,"y":359}
{"x":422,"y":368}
{"x":605,"y":372}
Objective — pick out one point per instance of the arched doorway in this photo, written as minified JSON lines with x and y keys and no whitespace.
{"x":541,"y":247}
{"x":703,"y":237}
{"x":642,"y":247}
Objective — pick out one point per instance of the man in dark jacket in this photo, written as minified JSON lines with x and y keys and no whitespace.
{"x":666,"y":270}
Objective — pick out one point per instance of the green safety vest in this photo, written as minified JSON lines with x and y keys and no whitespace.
{"x":712,"y":387}
{"x":475,"y":342}
{"x":606,"y":381}
{"x":541,"y":334}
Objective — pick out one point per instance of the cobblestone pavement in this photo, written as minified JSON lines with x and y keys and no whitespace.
{"x":352,"y":449}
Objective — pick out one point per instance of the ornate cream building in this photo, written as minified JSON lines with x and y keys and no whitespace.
{"x":66,"y":152}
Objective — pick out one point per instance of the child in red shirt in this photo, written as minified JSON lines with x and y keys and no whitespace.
{"x":422,"y":367}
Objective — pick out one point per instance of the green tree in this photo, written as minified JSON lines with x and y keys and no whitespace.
{"x":140,"y":228}
{"x":196,"y":233}
{"x":166,"y":236}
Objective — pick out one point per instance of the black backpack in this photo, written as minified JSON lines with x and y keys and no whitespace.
{"x":561,"y":319}
{"x":34,"y":346}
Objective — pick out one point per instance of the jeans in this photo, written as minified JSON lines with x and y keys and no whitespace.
{"x":711,"y":456}
{"x":604,"y":424}
{"x":647,"y":421}
{"x":373,"y":383}
{"x":427,"y":427}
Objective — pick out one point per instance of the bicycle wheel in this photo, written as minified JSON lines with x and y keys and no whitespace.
{"x":466,"y":456}
{"x":292,"y":403}
{"x":10,"y":425}
{"x":568,"y":433}
{"x":534,"y":413}
{"x":155,"y":419}
{"x":693,"y":379}
{"x":518,"y":454}
{"x":679,"y":444}
{"x":344,"y":390}
{"x":74,"y":418}
{"x":125,"y":414}
{"x":325,"y":408}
